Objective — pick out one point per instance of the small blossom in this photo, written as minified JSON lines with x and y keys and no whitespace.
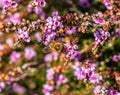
{"x":61,"y":79}
{"x":84,"y":3}
{"x":112,"y":91}
{"x":101,"y":36}
{"x":117,"y":32}
{"x":108,"y":4}
{"x":24,"y":34}
{"x":2,"y":86}
{"x":100,"y":21}
{"x":18,"y":88}
{"x":8,"y":4}
{"x":47,"y":89}
{"x":29,"y":53}
{"x":15,"y":18}
{"x":15,"y":56}
{"x":116,"y":57}
{"x":38,"y":36}
{"x":41,"y":3}
{"x":50,"y":74}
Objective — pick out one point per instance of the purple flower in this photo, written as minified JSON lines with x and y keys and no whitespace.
{"x":86,"y":73}
{"x":80,"y":73}
{"x":71,"y":31}
{"x":95,"y":78}
{"x":100,"y":90}
{"x":18,"y":89}
{"x":52,"y":22}
{"x":117,"y":32}
{"x":2,"y":86}
{"x":97,"y":90}
{"x":8,"y":4}
{"x":101,"y":36}
{"x":48,"y":58}
{"x":15,"y":56}
{"x":38,"y":36}
{"x":50,"y":74}
{"x":55,"y":56}
{"x":47,"y":89}
{"x":15,"y":18}
{"x":29,"y":53}
{"x":112,"y":91}
{"x":1,"y":3}
{"x":84,"y":3}
{"x":41,"y":3}
{"x":61,"y":80}
{"x":100,"y":21}
{"x":71,"y":51}
{"x":116,"y":57}
{"x":24,"y":34}
{"x":108,"y":4}
{"x":1,"y":47}
{"x":51,"y":56}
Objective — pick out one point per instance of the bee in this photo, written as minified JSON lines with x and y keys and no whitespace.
{"x":54,"y":46}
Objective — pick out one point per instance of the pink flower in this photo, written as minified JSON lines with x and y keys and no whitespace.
{"x":47,"y":89}
{"x":1,"y":3}
{"x":42,"y":3}
{"x":95,"y":78}
{"x":108,"y":4}
{"x":61,"y":79}
{"x":97,"y":90}
{"x":48,"y":58}
{"x":9,"y":3}
{"x":15,"y":18}
{"x":100,"y":21}
{"x":38,"y":36}
{"x":15,"y":56}
{"x":84,"y":3}
{"x":24,"y":34}
{"x":50,"y":74}
{"x":2,"y":86}
{"x":29,"y":53}
{"x":51,"y":56}
{"x":18,"y":89}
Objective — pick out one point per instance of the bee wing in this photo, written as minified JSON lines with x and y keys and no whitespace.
{"x":46,"y":49}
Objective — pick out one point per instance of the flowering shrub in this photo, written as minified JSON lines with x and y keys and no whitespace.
{"x":53,"y":47}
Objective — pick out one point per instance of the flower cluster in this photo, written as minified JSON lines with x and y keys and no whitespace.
{"x":71,"y":51}
{"x":108,"y":4}
{"x":29,"y":53}
{"x":86,"y":73}
{"x":24,"y":34}
{"x":117,"y":32}
{"x":116,"y":57}
{"x":84,"y":3}
{"x":101,"y":90}
{"x":8,"y":4}
{"x":58,"y":78}
{"x":52,"y":23}
{"x":41,"y":3}
{"x":101,"y":36}
{"x":2,"y":86}
{"x":15,"y":56}
{"x":52,"y":56}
